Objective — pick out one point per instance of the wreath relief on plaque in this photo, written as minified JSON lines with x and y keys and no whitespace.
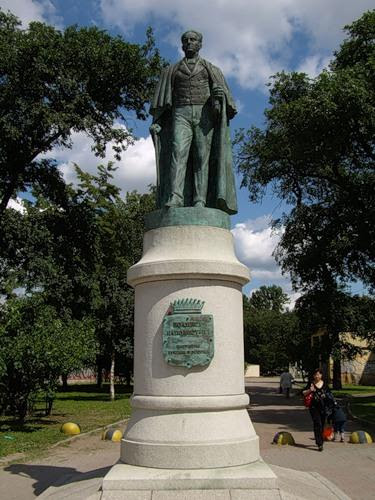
{"x":188,"y":335}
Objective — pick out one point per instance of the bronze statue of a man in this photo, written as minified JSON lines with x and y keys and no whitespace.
{"x":191,"y":110}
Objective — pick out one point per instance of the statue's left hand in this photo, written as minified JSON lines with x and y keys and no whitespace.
{"x":155,"y":128}
{"x":218,"y":92}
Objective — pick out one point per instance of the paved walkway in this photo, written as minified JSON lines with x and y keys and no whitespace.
{"x":350,"y":467}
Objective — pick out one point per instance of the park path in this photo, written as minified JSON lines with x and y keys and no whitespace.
{"x":350,"y":467}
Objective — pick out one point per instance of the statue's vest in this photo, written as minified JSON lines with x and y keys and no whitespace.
{"x":190,"y":88}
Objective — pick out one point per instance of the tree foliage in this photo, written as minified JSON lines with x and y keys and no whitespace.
{"x":36,"y":346}
{"x":53,"y":249}
{"x":119,"y":226}
{"x":76,"y":256}
{"x":317,"y":151}
{"x":271,"y":298}
{"x":70,"y":249}
{"x":53,"y":83}
{"x":271,"y":334}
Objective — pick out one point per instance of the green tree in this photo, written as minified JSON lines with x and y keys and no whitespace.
{"x":317,"y":152}
{"x":78,"y":255}
{"x":36,"y":346}
{"x":271,"y":334}
{"x":53,"y":83}
{"x":53,"y":249}
{"x":271,"y":298}
{"x":120,"y":228}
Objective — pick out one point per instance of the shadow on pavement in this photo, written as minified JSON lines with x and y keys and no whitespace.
{"x":46,"y":475}
{"x":261,"y":389}
{"x":267,"y":406}
{"x":283,"y":419}
{"x":306,"y":447}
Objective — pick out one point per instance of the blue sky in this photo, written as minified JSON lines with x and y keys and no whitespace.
{"x":249,"y":40}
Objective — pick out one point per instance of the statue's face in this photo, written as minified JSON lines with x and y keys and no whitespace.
{"x":191,"y":44}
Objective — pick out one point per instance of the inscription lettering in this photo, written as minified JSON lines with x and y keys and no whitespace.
{"x":188,"y":339}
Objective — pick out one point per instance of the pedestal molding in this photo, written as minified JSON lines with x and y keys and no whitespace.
{"x":186,"y":252}
{"x":190,"y":403}
{"x":183,"y":269}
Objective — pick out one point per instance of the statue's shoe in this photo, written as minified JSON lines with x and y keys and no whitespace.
{"x":199,"y":204}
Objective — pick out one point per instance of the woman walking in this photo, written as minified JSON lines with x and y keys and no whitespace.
{"x":321,"y":405}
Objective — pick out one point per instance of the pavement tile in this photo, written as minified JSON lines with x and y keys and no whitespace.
{"x":191,"y":495}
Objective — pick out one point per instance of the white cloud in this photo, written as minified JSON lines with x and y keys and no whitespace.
{"x":136,"y":170}
{"x":240,"y":106}
{"x":249,"y":40}
{"x":293,"y":296}
{"x":254,"y":243}
{"x":16,"y":205}
{"x":324,"y":20}
{"x":31,"y":10}
{"x":313,"y":65}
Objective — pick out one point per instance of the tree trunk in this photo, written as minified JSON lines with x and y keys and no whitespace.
{"x":64,"y":378}
{"x":336,"y":382}
{"x":112,"y":377}
{"x":9,"y":191}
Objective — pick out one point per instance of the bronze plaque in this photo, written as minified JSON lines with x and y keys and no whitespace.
{"x":188,"y":336}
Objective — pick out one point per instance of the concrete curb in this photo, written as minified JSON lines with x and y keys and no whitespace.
{"x":93,"y":431}
{"x":20,"y":456}
{"x":331,"y":486}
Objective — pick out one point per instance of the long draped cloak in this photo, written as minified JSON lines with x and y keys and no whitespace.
{"x":221,"y":186}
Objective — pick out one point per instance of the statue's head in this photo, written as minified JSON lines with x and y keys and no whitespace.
{"x":191,"y":42}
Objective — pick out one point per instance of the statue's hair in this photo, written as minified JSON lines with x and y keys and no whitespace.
{"x":200,"y":36}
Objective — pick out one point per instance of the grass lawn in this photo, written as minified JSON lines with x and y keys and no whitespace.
{"x":355,"y":390}
{"x":361,"y":405}
{"x":364,"y":408}
{"x":85,"y":405}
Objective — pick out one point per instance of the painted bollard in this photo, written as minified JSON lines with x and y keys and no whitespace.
{"x":360,"y":437}
{"x":112,"y":435}
{"x":282,"y":438}
{"x":70,"y":428}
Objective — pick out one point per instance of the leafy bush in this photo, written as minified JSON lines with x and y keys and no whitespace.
{"x":36,"y":346}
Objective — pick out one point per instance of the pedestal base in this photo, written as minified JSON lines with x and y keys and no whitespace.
{"x":124,"y":478}
{"x":291,"y":485}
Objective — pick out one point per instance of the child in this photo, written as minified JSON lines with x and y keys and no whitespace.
{"x":338,"y":418}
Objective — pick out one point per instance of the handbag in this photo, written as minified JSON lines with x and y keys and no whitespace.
{"x":307,"y":400}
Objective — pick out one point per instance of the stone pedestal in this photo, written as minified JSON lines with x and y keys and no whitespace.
{"x":188,"y":419}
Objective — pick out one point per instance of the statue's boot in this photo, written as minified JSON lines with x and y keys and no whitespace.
{"x":199,"y":204}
